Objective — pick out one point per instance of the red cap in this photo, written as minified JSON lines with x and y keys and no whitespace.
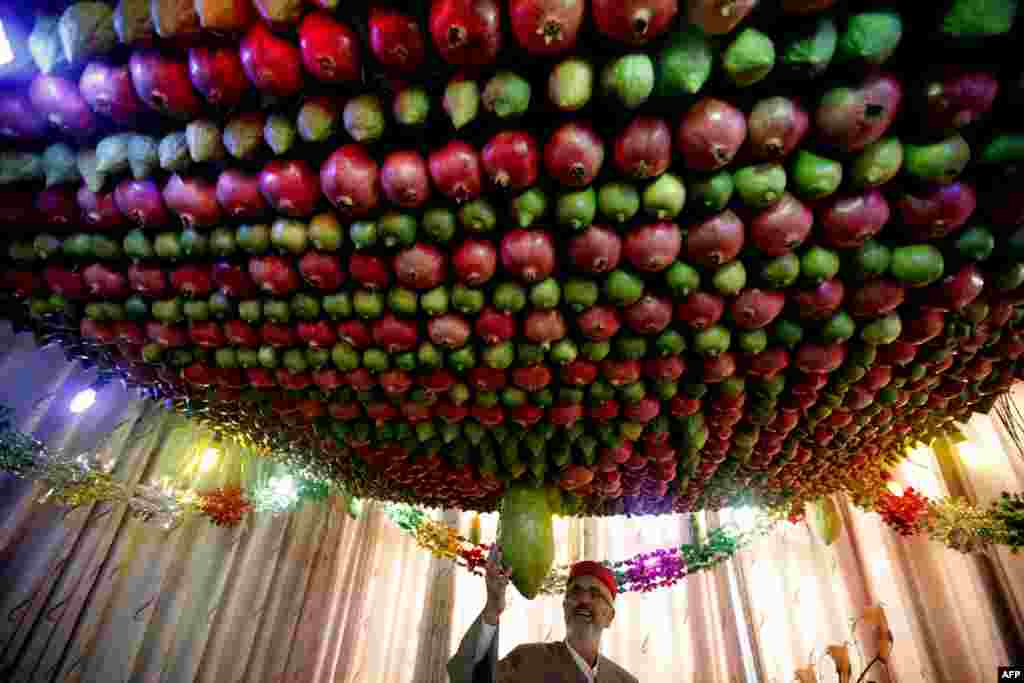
{"x":598,"y":571}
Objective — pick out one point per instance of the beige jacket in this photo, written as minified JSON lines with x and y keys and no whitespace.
{"x":530,"y":663}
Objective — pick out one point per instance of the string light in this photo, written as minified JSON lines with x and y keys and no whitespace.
{"x":83,"y":400}
{"x":209,"y":459}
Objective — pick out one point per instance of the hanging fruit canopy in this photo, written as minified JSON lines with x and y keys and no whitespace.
{"x":666,"y":257}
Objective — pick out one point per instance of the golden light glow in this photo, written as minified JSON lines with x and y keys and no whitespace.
{"x":977,"y":455}
{"x":210,"y":456}
{"x":895,"y":488}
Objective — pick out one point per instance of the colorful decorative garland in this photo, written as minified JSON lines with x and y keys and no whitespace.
{"x":76,"y":480}
{"x":642,"y":573}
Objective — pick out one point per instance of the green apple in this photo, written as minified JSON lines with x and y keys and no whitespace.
{"x":251,"y":311}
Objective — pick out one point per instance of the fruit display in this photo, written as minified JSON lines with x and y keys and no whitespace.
{"x":596,"y":257}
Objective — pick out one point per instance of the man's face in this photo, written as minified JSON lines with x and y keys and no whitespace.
{"x":588,"y":607}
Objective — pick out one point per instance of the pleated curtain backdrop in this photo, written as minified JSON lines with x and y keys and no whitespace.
{"x":315,"y":595}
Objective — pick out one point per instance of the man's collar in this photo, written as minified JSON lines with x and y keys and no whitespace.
{"x":582,"y":662}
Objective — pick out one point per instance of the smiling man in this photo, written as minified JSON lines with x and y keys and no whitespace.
{"x":589,"y":608}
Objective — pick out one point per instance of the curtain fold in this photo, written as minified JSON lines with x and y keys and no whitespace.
{"x":94,"y":594}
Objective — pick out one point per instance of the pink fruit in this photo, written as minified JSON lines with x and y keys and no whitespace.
{"x":876,"y":298}
{"x":19,"y":122}
{"x":511,"y":160}
{"x":104,"y":282}
{"x":57,"y":206}
{"x":958,"y":96}
{"x":718,"y":17}
{"x":595,"y":250}
{"x":330,"y":49}
{"x":322,"y":271}
{"x":142,"y":203}
{"x":776,"y":126}
{"x":494,"y":326}
{"x":820,"y":301}
{"x":70,"y":284}
{"x":653,"y":247}
{"x":667,"y":369}
{"x":450,"y":330}
{"x":853,"y":118}
{"x":405,"y":179}
{"x":466,"y":32}
{"x":475,"y":262}
{"x":719,"y":368}
{"x":922,"y":325}
{"x":274,"y":274}
{"x":108,"y":91}
{"x":700,"y":310}
{"x":633,"y":22}
{"x":819,"y":358}
{"x":455,"y":171}
{"x":782,"y":227}
{"x":528,"y":254}
{"x":710,"y":134}
{"x":531,"y":378}
{"x":546,"y":27}
{"x":349,"y":179}
{"x":756,"y":308}
{"x":544,"y":327}
{"x":574,"y":154}
{"x":396,"y":40}
{"x":354,"y":332}
{"x":271,"y":63}
{"x":644,"y":148}
{"x":938,"y":210}
{"x":193,"y":200}
{"x":395,"y":335}
{"x":162,"y":83}
{"x":290,"y":187}
{"x":599,"y":322}
{"x":848,"y":222}
{"x":238,"y":194}
{"x":233,"y":280}
{"x":370,"y":271}
{"x":716,"y":240}
{"x":579,"y":373}
{"x":768,"y":363}
{"x":58,"y":101}
{"x":421,"y":266}
{"x":649,"y":315}
{"x":99,"y":211}
{"x":192,"y":280}
{"x":957,"y":290}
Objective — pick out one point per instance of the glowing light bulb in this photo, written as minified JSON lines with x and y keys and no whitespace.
{"x":83,"y":400}
{"x":6,"y":53}
{"x":210,"y":456}
{"x":284,"y":486}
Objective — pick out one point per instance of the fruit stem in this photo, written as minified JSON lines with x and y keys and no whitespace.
{"x":457,"y":36}
{"x":551,"y":29}
{"x":641,"y":22}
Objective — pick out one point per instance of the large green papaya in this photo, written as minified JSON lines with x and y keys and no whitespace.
{"x":826,"y":520}
{"x":525,"y":535}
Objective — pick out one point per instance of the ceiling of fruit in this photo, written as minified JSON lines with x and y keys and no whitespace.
{"x":661,"y":256}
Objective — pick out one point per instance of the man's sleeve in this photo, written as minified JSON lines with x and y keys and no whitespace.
{"x":475,"y":661}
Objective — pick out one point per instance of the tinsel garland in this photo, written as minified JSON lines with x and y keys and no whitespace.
{"x":80,"y":479}
{"x":954,"y":522}
{"x":225,"y":506}
{"x":642,"y":573}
